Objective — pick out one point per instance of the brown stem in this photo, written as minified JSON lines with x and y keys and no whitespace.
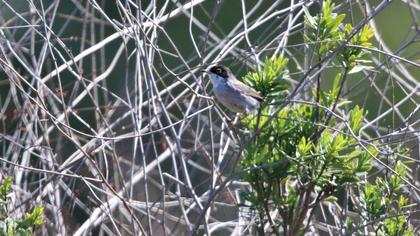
{"x":343,"y":79}
{"x":267,"y":212}
{"x":301,"y":216}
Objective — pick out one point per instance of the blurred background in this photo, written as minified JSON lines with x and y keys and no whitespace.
{"x":105,"y":114}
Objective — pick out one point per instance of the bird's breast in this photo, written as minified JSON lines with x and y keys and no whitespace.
{"x":234,"y":100}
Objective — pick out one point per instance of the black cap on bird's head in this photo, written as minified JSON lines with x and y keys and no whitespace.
{"x":220,"y":70}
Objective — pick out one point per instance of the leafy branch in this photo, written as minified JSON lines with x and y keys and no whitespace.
{"x":304,"y":158}
{"x":10,"y":226}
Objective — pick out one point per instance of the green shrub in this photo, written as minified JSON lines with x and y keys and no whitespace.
{"x":14,"y":227}
{"x":305,"y":154}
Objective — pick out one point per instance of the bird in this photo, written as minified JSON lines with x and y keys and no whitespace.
{"x":232,"y":93}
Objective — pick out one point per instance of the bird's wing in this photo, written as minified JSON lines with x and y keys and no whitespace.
{"x":243,"y":88}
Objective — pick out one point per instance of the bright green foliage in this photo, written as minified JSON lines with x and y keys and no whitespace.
{"x":351,"y":56}
{"x":303,"y":155}
{"x":288,"y":160}
{"x":329,"y":32}
{"x":12,"y":227}
{"x":269,"y":82}
{"x":325,"y":28}
{"x":355,"y":119}
{"x":378,"y":198}
{"x":4,"y":190}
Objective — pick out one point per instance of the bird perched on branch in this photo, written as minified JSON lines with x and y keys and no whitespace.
{"x":232,"y":93}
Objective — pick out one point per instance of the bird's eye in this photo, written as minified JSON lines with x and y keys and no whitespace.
{"x":219,"y":71}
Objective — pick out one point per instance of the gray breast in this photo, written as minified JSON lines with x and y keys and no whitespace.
{"x":233,"y":100}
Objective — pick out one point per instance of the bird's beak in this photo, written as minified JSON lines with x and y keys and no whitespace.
{"x":204,"y":71}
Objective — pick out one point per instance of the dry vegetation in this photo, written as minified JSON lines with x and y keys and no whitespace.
{"x":106,"y":120}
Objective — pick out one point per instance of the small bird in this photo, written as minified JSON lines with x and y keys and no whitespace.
{"x":232,"y":93}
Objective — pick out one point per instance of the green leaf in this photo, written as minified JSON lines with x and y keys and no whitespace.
{"x":5,"y":187}
{"x":358,"y":68}
{"x":270,"y":80}
{"x":32,"y":219}
{"x":311,"y":21}
{"x":327,"y":8}
{"x":402,"y":201}
{"x":303,"y":148}
{"x":349,"y":224}
{"x":365,"y":35}
{"x":356,"y":119}
{"x":331,"y":199}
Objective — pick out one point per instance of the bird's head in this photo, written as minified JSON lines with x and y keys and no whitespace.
{"x":218,"y":73}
